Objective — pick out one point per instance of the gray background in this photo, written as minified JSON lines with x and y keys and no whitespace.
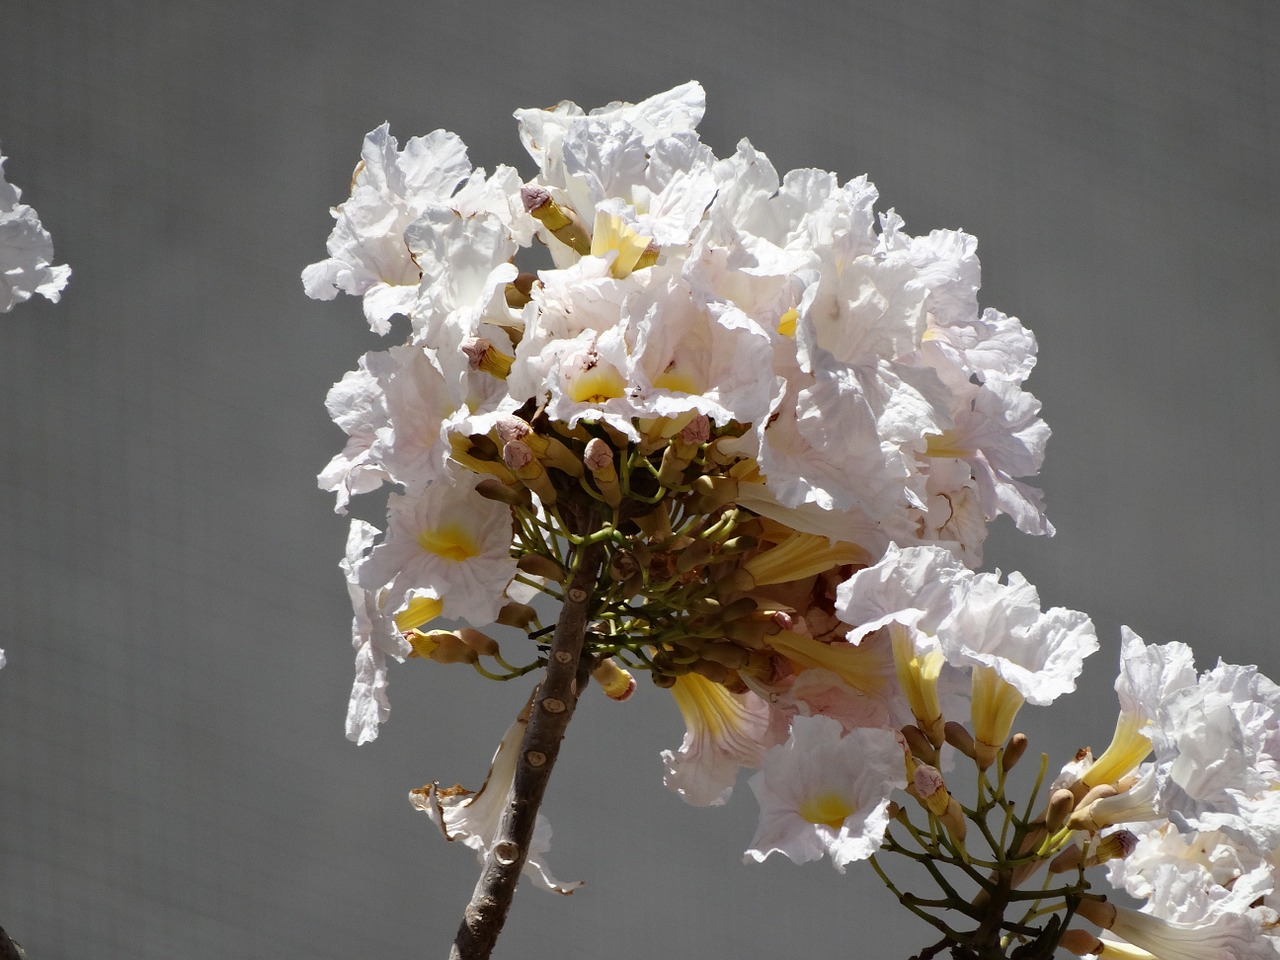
{"x":174,"y":780}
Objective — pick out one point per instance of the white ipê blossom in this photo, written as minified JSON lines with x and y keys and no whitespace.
{"x":1190,"y":917}
{"x":723,"y":733}
{"x":943,"y":611}
{"x":448,"y":543}
{"x":825,"y":792}
{"x":375,"y":637}
{"x":1217,"y":754}
{"x":1149,"y":677}
{"x":26,"y":253}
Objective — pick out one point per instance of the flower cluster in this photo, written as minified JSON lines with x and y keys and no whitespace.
{"x":770,"y":428}
{"x":1198,"y":823}
{"x":26,"y":254}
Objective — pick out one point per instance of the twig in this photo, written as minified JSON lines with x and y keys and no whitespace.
{"x":9,"y":949}
{"x":557,"y":696}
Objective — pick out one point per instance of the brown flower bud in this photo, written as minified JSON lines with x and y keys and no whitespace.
{"x":959,"y":737}
{"x":1013,"y":751}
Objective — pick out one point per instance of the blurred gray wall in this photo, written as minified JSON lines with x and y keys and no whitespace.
{"x":174,"y":782}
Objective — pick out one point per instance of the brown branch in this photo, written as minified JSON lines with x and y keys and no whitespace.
{"x":9,"y":949}
{"x":557,"y":696}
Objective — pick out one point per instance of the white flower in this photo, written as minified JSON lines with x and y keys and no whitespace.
{"x":1000,"y":627}
{"x":619,"y":126}
{"x":391,"y":187}
{"x":998,"y":433}
{"x":375,"y":637}
{"x":910,"y":591}
{"x":1208,"y":861}
{"x":466,"y":265}
{"x":724,"y":731}
{"x":1218,"y":752}
{"x":448,"y":543}
{"x":26,"y":252}
{"x":357,"y":404}
{"x":475,"y":818}
{"x":1190,"y":919}
{"x":824,"y":792}
{"x":1149,"y":676}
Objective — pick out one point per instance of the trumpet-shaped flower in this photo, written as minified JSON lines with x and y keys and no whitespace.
{"x":826,"y":792}
{"x":724,"y":732}
{"x":590,"y":156}
{"x":26,"y":252}
{"x":1000,"y":627}
{"x":1149,"y":676}
{"x":1187,"y":919}
{"x":448,"y":543}
{"x":368,"y":256}
{"x":1218,"y":752}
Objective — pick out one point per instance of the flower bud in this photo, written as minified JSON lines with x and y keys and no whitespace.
{"x":919,"y":744}
{"x":442,"y":646}
{"x":518,"y":615}
{"x":957,"y":827}
{"x":623,"y":565}
{"x":715,"y":672}
{"x":959,"y":737}
{"x":520,"y":460}
{"x":1013,"y":751}
{"x":548,"y":449}
{"x":618,"y":683}
{"x":1083,"y":817}
{"x":483,"y":644}
{"x":729,"y":654}
{"x":559,"y":220}
{"x":491,"y":488}
{"x":742,"y":607}
{"x":1061,"y":804}
{"x":696,"y":554}
{"x":696,"y":432}
{"x":480,"y":454}
{"x":483,"y":355}
{"x":539,"y":566}
{"x":675,"y":459}
{"x":748,"y":632}
{"x":710,"y":493}
{"x":520,"y":290}
{"x":931,"y":789}
{"x":598,"y":458}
